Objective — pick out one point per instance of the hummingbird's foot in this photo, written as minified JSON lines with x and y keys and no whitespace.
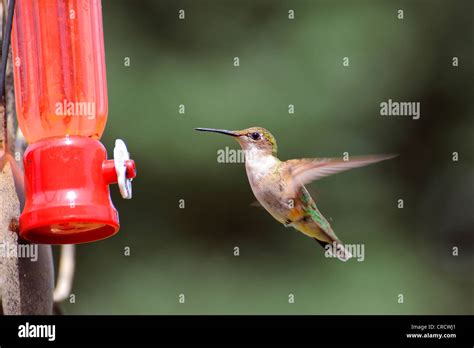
{"x":288,"y":223}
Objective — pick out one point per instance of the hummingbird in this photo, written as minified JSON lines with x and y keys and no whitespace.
{"x":279,"y":186}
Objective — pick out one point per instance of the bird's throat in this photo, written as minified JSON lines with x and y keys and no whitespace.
{"x":259,"y":165}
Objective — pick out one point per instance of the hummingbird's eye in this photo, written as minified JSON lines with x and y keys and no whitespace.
{"x":255,"y":136}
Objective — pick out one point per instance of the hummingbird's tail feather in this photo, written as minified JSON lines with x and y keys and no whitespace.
{"x":335,"y":249}
{"x":318,"y":228}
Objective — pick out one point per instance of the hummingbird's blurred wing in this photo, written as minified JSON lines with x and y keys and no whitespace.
{"x":303,"y":171}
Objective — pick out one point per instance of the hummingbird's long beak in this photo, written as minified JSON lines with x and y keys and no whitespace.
{"x":222,"y":131}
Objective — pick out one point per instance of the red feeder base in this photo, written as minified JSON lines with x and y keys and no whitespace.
{"x":67,"y":192}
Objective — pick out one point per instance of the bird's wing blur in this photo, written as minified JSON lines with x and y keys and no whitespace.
{"x":305,"y":170}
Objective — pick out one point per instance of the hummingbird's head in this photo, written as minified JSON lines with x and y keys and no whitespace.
{"x":254,"y":138}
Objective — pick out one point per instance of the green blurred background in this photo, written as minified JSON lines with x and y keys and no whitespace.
{"x":190,"y":251}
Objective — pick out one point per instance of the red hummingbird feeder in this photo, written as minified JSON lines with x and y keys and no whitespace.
{"x":61,"y":103}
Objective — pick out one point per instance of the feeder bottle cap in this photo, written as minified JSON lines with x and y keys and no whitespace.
{"x":67,"y":190}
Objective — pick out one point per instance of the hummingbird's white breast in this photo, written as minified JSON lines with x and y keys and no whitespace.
{"x":265,"y":181}
{"x":259,"y":164}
